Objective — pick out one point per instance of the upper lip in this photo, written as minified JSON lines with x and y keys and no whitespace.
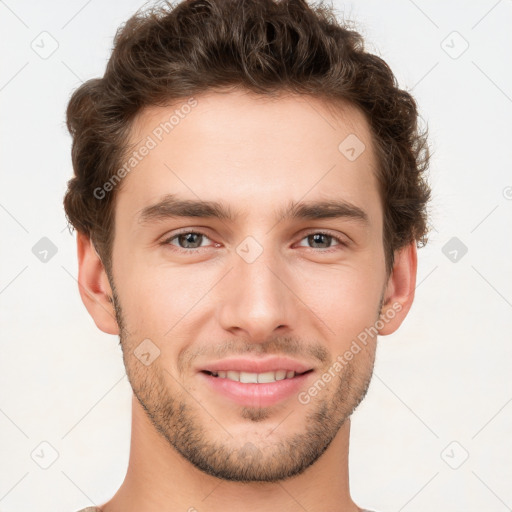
{"x":271,"y":364}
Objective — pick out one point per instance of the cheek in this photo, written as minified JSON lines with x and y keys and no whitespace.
{"x":155,"y":298}
{"x":341,"y":299}
{"x":344,"y":298}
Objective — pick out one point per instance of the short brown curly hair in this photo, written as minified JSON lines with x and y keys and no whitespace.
{"x":170,"y":52}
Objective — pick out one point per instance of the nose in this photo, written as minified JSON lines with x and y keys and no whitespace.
{"x":256,"y":300}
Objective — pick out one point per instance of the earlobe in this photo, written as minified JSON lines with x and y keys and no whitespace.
{"x":94,"y":286}
{"x":399,"y":293}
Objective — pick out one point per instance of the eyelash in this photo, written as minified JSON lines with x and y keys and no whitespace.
{"x":167,"y":242}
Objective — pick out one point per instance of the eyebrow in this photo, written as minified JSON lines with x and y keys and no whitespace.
{"x":170,"y":206}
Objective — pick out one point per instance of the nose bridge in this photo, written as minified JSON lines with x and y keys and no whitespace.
{"x":255,"y":300}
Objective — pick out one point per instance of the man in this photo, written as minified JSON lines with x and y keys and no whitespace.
{"x":248,"y":196}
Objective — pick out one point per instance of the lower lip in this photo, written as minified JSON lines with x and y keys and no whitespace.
{"x":257,"y":395}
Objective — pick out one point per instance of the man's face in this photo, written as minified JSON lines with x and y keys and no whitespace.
{"x":255,"y":286}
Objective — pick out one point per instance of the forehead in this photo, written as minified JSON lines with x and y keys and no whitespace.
{"x":252,"y":152}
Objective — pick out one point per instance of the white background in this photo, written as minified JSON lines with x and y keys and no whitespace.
{"x":442,"y":378}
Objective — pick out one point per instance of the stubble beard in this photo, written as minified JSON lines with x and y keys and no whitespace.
{"x":178,"y":417}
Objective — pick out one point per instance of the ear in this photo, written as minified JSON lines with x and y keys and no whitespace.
{"x":399,"y":292}
{"x":94,"y":286}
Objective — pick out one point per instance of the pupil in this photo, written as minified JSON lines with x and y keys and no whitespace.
{"x":191,"y":238}
{"x":316,"y":238}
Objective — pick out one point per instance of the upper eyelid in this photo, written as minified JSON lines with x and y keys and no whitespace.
{"x":167,"y":238}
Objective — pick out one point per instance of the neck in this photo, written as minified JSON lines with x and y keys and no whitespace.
{"x":160,"y":479}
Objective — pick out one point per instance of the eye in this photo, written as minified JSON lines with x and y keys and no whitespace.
{"x":321,"y":240}
{"x":191,"y":241}
{"x":187,"y":241}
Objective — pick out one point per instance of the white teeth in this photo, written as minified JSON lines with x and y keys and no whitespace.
{"x":255,"y":378}
{"x":267,"y":377}
{"x":233,"y":375}
{"x":248,"y":378}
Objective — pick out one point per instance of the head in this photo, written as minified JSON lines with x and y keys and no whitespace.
{"x":248,"y":181}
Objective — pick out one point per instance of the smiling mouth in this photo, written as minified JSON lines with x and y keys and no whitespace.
{"x":255,"y":378}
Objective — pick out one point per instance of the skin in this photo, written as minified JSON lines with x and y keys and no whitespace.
{"x":191,"y":448}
